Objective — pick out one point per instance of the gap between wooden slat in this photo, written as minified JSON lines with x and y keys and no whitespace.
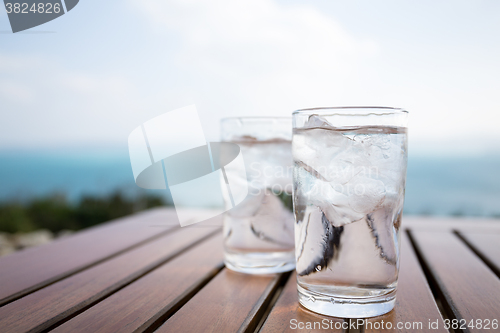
{"x":273,"y":298}
{"x":69,"y":273}
{"x":444,"y":307}
{"x":478,"y":252}
{"x":161,"y":317}
{"x":260,"y":308}
{"x":130,"y":279}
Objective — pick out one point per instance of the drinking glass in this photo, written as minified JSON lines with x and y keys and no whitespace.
{"x":258,"y":233}
{"x":349,"y":184}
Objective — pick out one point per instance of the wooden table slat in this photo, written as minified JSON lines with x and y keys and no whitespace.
{"x":488,"y":246}
{"x":442,"y":223}
{"x":223,"y":305}
{"x":28,"y":270}
{"x":145,"y":273}
{"x":469,"y":287}
{"x":139,"y":305}
{"x":54,"y":303}
{"x":414,"y":301}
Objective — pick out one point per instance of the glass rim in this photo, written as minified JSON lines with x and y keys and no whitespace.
{"x":346,"y":111}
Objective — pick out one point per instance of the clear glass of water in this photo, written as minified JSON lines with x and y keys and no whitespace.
{"x":349,"y":184}
{"x":259,"y":232}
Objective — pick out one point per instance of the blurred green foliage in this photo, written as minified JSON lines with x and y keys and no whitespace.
{"x":55,"y":213}
{"x":286,"y":199}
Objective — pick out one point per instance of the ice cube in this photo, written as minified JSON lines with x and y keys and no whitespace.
{"x":316,"y":121}
{"x":319,"y":147}
{"x":380,"y":223}
{"x":334,"y":204}
{"x":250,"y":206}
{"x":269,"y":165}
{"x":366,"y":194}
{"x":273,"y":221}
{"x":318,"y":244}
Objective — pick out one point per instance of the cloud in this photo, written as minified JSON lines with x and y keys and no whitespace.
{"x":10,"y":64}
{"x":244,"y":58}
{"x":56,"y":105}
{"x":257,"y":56}
{"x":16,"y":92}
{"x":91,"y":84}
{"x":229,"y":58}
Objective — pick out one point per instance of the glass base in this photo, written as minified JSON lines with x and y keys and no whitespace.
{"x":260,"y":262}
{"x":345,"y":307}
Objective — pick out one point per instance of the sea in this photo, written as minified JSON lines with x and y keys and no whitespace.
{"x":436,"y":185}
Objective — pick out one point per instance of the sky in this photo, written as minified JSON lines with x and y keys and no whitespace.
{"x":91,"y":76}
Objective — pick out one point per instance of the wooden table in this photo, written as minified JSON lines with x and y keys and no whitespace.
{"x":145,"y":273}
